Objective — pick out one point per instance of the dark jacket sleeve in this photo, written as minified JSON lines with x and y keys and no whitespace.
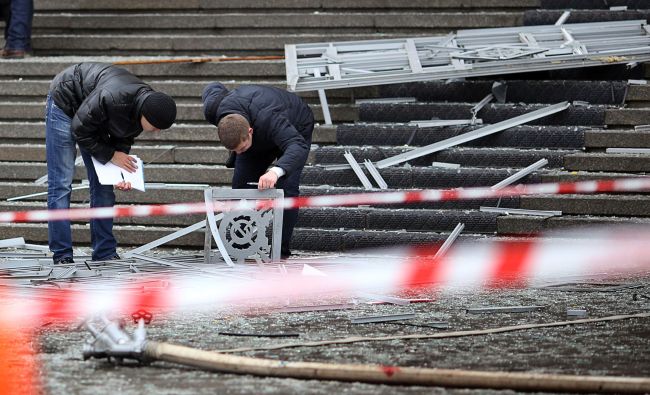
{"x":87,"y":127}
{"x":293,"y":145}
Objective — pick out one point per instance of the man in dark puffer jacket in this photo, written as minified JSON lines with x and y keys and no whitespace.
{"x":102,"y":108}
{"x":260,"y":124}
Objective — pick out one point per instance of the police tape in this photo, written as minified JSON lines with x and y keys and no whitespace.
{"x":594,"y":253}
{"x":394,"y":197}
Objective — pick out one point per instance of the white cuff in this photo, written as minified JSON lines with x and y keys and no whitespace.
{"x":278,"y":170}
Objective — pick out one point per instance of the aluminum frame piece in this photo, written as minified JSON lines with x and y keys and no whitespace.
{"x":520,"y":174}
{"x":241,"y":234}
{"x":466,"y":53}
{"x":473,"y":135}
{"x":357,"y":170}
{"x":520,"y":211}
{"x":450,"y":240}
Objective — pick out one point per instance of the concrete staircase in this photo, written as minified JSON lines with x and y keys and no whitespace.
{"x":66,"y":32}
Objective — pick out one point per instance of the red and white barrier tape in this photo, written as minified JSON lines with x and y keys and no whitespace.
{"x":482,"y":264}
{"x":427,"y":195}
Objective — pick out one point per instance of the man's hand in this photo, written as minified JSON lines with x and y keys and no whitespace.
{"x":123,"y":186}
{"x":124,"y":161}
{"x":268,"y":180}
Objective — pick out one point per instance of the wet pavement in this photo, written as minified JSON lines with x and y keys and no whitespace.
{"x":618,"y":348}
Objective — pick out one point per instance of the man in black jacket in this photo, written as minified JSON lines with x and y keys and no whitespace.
{"x":261,"y":124}
{"x":102,"y":108}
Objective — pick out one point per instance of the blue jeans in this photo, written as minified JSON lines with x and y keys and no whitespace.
{"x":60,"y":153}
{"x":18,"y":28}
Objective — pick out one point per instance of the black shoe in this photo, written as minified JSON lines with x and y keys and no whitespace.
{"x":113,"y":257}
{"x":65,"y":260}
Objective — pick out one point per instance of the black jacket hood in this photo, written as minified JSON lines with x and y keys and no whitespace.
{"x":212,"y":96}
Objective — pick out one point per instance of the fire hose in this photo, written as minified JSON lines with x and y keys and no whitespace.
{"x":114,"y":343}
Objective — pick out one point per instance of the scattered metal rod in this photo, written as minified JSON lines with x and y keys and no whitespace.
{"x":473,"y":332}
{"x":473,"y":135}
{"x":357,"y":170}
{"x":411,"y":301}
{"x":433,"y":325}
{"x":445,"y":122}
{"x":520,"y":211}
{"x":445,"y":165}
{"x":322,"y":307}
{"x":628,"y":150}
{"x":565,"y":15}
{"x":375,"y":174}
{"x":387,"y":100}
{"x":503,"y":309}
{"x":642,"y":128}
{"x":12,"y":199}
{"x":449,"y":241}
{"x":576,"y":313}
{"x":165,"y":239}
{"x":14,"y":242}
{"x":383,"y":298}
{"x":382,"y":318}
{"x":479,"y":106}
{"x":520,"y":174}
{"x":225,"y":333}
{"x":590,"y":287}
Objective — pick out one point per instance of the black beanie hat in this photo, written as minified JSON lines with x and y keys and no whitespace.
{"x":160,"y":110}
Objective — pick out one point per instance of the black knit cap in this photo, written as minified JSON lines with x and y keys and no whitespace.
{"x":160,"y":110}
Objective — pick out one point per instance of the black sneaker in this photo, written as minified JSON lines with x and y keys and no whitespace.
{"x":65,"y":260}
{"x":113,"y":257}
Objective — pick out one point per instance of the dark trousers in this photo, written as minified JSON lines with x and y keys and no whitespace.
{"x":249,"y":168}
{"x":18,"y":26}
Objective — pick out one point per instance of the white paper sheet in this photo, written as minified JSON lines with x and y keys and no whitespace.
{"x":110,"y":174}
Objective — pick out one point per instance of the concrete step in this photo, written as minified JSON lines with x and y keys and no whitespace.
{"x":185,"y":44}
{"x":548,"y":17}
{"x":350,"y":239}
{"x":617,"y":138}
{"x":627,"y":116}
{"x":167,"y":194}
{"x":48,"y":66}
{"x":530,"y":225}
{"x":158,"y":154}
{"x":591,"y":115}
{"x":601,"y":204}
{"x":629,"y":163}
{"x":473,"y":157}
{"x":256,"y":6}
{"x":186,"y":112}
{"x":178,"y":135}
{"x":340,"y":217}
{"x":517,"y":91}
{"x":228,"y":23}
{"x":204,"y":174}
{"x":574,"y":176}
{"x":126,"y":235}
{"x":415,"y":220}
{"x":303,"y":238}
{"x":524,"y":136}
{"x":161,"y":195}
{"x":417,"y":177}
{"x":186,"y":90}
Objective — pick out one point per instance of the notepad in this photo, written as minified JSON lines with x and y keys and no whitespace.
{"x":111,"y":174}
